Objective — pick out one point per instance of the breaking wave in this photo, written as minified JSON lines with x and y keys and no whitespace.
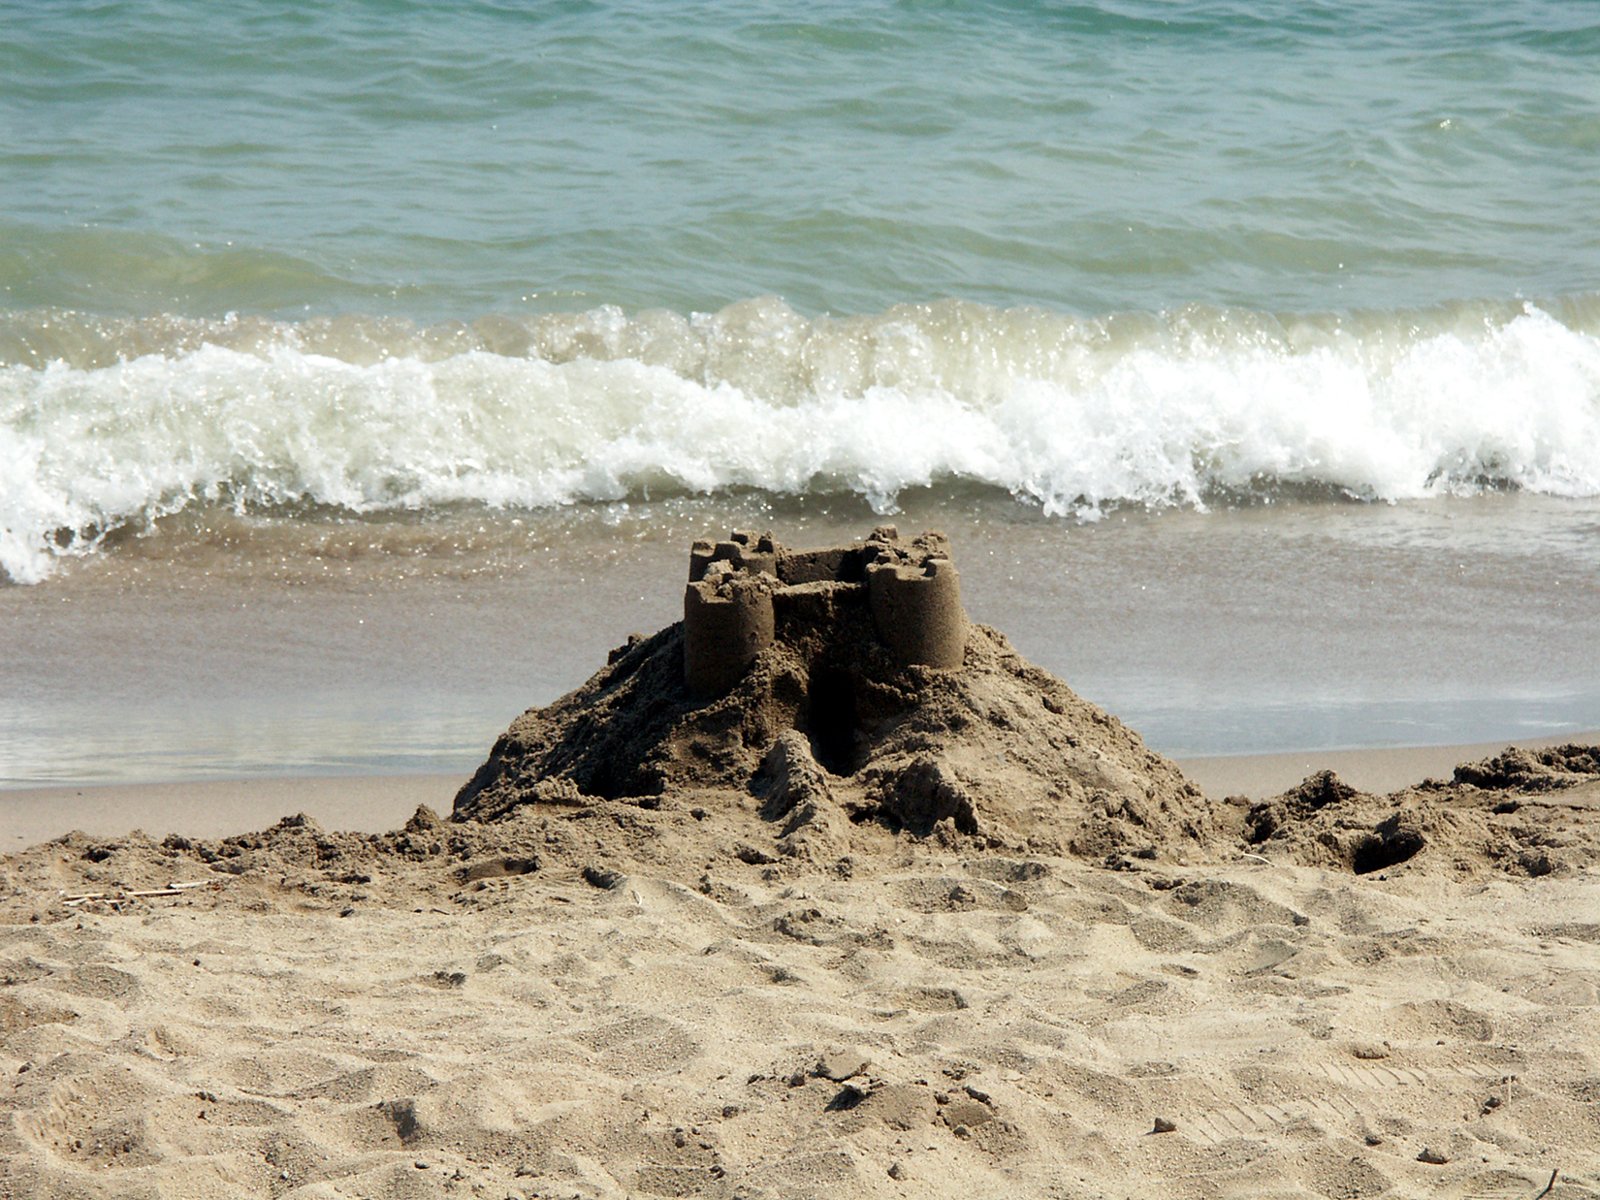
{"x":106,"y":424}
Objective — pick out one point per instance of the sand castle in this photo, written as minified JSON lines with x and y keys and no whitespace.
{"x":738,"y":588}
{"x":840,"y":691}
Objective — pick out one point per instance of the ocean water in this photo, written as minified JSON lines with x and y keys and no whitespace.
{"x":365,"y":371}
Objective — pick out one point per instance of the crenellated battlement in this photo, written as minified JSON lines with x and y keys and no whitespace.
{"x":911,"y":588}
{"x":743,"y":551}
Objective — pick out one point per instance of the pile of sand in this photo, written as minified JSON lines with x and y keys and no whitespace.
{"x":827,"y":731}
{"x":1522,"y":812}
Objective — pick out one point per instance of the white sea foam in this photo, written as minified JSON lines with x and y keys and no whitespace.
{"x":103,"y":424}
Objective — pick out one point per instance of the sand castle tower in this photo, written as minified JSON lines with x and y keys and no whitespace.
{"x":738,"y":589}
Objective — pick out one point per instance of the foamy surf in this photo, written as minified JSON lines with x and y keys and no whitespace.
{"x":106,"y":424}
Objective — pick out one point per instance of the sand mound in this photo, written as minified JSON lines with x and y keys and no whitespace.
{"x":824,"y":726}
{"x":1545,"y":770}
{"x":1526,"y":812}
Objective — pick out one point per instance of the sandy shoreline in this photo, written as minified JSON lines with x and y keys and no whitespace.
{"x":811,"y":913}
{"x":219,"y":808}
{"x":375,"y":803}
{"x":1387,"y":769}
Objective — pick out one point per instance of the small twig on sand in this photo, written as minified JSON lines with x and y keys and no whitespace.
{"x":172,"y":889}
{"x":1257,"y":857}
{"x":1549,"y":1185}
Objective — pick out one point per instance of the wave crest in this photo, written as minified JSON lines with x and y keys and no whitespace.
{"x":106,"y":423}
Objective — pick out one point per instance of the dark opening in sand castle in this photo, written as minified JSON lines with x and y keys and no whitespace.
{"x":839,"y":690}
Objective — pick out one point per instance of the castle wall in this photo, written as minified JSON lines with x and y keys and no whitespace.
{"x":913,"y":592}
{"x":841,"y":563}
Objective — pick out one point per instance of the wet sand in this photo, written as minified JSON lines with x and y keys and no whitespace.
{"x":223,"y":646}
{"x":218,"y":808}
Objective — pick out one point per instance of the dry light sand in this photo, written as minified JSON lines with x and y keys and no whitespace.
{"x":982,"y":943}
{"x":434,"y":1015}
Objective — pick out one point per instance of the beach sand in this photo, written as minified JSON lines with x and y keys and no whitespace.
{"x":607,"y":1001}
{"x":826,"y":920}
{"x":320,"y":1020}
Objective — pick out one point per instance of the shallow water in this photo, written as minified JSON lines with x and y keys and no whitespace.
{"x":238,"y":647}
{"x":450,"y":160}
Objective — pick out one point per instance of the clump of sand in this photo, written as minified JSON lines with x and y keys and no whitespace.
{"x":1526,"y":812}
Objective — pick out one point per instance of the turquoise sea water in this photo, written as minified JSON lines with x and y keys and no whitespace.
{"x":427,"y":282}
{"x":444,"y":161}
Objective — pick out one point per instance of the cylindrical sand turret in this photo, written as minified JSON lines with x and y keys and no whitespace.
{"x":745,"y":551}
{"x":727,"y":621}
{"x":917,"y":611}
